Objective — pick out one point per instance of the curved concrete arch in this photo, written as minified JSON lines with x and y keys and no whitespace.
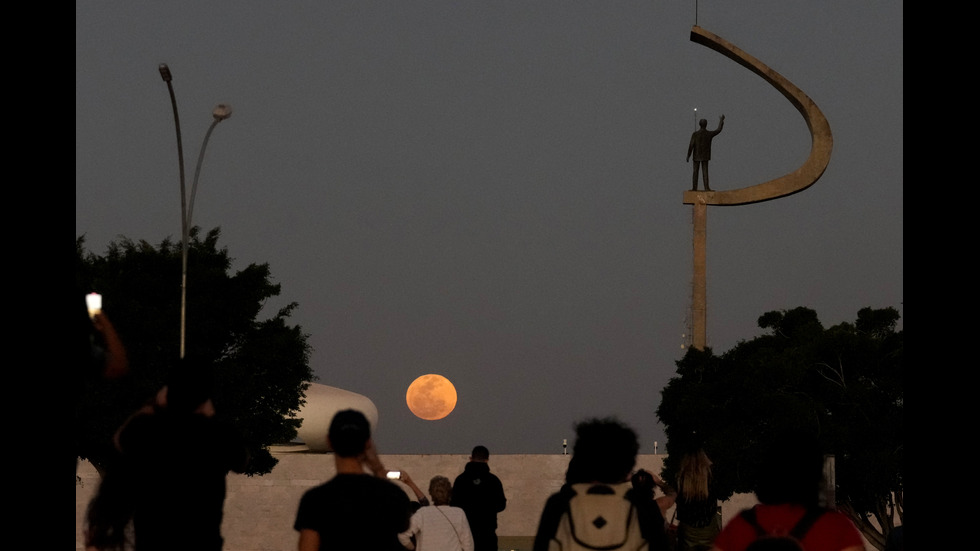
{"x":822,"y":140}
{"x":322,"y":402}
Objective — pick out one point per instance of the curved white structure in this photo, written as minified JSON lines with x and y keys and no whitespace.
{"x":821,"y":139}
{"x":322,"y":403}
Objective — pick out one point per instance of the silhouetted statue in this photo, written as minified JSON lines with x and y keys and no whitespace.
{"x":700,"y":146}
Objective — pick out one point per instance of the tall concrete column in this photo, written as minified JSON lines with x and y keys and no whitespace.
{"x":699,"y":308}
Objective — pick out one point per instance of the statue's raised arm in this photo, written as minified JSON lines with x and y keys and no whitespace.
{"x":822,"y":141}
{"x":700,"y":147}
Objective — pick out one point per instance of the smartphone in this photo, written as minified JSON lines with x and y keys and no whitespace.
{"x":394,"y":475}
{"x":94,"y":303}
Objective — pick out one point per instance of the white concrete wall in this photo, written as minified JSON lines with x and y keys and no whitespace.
{"x":260,"y":510}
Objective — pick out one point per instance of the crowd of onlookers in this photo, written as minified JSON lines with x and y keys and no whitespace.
{"x":165,"y":488}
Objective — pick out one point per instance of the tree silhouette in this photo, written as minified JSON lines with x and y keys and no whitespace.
{"x":261,"y":366}
{"x":846,"y":383}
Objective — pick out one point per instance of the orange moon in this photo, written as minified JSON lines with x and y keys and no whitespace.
{"x":431,"y":397}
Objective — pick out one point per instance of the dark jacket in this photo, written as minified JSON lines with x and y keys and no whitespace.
{"x":481,"y":495}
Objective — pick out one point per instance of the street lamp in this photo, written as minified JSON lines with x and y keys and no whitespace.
{"x":220,"y":113}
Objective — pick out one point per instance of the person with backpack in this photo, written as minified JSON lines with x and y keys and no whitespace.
{"x":789,"y":515}
{"x":597,"y":507}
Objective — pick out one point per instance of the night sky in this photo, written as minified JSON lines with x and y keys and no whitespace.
{"x":492,"y":191}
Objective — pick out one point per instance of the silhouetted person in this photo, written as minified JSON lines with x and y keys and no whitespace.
{"x":597,"y":506}
{"x":645,"y":484}
{"x":698,"y":514}
{"x":354,"y":509}
{"x":789,"y":492}
{"x":481,"y":495}
{"x":169,"y":475}
{"x":100,"y":355}
{"x":700,"y":147}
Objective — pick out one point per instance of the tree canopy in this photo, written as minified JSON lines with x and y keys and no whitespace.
{"x":261,"y":367}
{"x":844,"y":383}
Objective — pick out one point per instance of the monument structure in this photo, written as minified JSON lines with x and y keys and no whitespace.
{"x":822,"y":142}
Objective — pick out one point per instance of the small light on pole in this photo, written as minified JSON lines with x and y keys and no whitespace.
{"x":564,"y":446}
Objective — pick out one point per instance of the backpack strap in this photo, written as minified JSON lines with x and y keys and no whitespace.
{"x":803,"y":526}
{"x":749,"y":516}
{"x":810,"y":517}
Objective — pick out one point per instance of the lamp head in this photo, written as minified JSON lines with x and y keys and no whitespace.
{"x":221,"y":112}
{"x":165,"y":72}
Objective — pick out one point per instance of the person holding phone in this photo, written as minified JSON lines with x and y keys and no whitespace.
{"x":354,"y":509}
{"x":420,"y":499}
{"x":167,"y":481}
{"x":100,"y":355}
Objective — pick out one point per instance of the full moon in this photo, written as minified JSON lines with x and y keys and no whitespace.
{"x":431,"y":397}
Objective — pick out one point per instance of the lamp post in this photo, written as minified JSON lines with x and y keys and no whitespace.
{"x":221,"y":112}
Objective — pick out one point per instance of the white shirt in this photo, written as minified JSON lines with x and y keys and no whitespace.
{"x":435,"y":528}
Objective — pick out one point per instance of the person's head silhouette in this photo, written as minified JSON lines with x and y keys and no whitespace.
{"x":190,"y":383}
{"x":605,"y":451}
{"x":703,"y":123}
{"x":349,"y":432}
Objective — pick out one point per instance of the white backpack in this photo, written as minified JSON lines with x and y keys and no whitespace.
{"x":599,"y":517}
